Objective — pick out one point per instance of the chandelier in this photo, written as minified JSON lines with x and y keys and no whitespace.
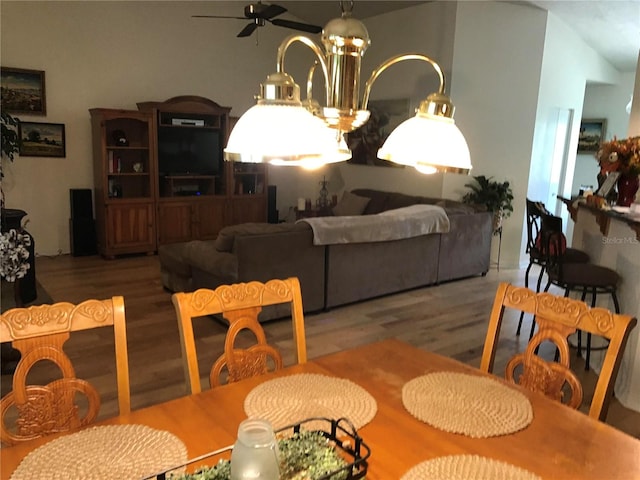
{"x":283,"y":130}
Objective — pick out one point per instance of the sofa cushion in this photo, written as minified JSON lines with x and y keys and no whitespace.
{"x":226,"y":237}
{"x":350,"y":204}
{"x":204,"y":255}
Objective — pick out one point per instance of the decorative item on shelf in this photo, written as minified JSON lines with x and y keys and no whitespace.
{"x":323,"y":197}
{"x":622,"y":156}
{"x":120,"y":138}
{"x":137,"y":167}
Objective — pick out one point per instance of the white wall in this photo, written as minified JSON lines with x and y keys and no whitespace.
{"x":497,"y":60}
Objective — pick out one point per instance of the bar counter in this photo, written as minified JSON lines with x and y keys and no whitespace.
{"x":612,"y":240}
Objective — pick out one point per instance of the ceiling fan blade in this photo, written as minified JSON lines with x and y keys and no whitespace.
{"x":217,"y":16}
{"x":305,"y":27}
{"x":272,"y":11}
{"x":248,"y":30}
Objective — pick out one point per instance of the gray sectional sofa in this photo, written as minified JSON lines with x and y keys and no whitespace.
{"x":335,"y":274}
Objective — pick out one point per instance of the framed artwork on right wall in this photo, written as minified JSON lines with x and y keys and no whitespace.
{"x":592,"y":132}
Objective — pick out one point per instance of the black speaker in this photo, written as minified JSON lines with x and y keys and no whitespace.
{"x":82,"y":232}
{"x":81,"y":203}
{"x":272,"y":212}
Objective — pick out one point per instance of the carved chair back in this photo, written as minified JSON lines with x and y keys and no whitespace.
{"x":557,"y":318}
{"x":39,"y":333}
{"x":240,"y":304}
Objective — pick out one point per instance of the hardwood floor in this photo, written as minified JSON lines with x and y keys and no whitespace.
{"x":449,"y":319}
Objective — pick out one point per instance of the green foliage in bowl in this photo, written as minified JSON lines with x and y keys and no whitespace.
{"x":305,"y":455}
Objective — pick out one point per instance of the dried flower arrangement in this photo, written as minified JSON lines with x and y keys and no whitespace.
{"x":620,"y":156}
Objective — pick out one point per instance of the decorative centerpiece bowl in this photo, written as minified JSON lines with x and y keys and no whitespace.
{"x":333,"y":452}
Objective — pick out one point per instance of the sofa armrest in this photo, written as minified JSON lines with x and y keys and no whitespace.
{"x":210,"y":267}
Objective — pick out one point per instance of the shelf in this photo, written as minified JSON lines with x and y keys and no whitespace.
{"x":114,"y":147}
{"x":128,"y":174}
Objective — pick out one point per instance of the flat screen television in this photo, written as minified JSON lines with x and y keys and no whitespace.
{"x":189,"y":151}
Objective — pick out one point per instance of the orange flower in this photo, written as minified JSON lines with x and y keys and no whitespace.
{"x":620,"y":156}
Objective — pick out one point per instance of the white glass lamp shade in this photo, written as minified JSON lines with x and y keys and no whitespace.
{"x":280,"y":134}
{"x":429,"y":143}
{"x":339,"y":152}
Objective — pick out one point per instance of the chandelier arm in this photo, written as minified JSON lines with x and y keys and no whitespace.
{"x":286,"y":43}
{"x":310,"y":80}
{"x":393,"y":60}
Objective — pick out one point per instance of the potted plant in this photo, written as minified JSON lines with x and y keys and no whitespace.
{"x":495,"y":196}
{"x":10,"y":143}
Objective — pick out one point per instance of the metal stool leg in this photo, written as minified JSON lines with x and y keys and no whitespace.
{"x":526,"y":284}
{"x":593,"y":304}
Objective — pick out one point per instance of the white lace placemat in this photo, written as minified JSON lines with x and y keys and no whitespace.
{"x":467,"y":467}
{"x":291,"y":399}
{"x":471,"y":405}
{"x":103,"y":453}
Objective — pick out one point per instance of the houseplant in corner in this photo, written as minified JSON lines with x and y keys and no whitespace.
{"x":10,"y":143}
{"x":496,"y":196}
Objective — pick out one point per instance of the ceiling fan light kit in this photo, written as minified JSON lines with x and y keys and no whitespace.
{"x":430,"y":141}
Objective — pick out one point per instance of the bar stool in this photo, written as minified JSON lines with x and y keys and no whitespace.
{"x":576,"y":277}
{"x":537,"y":254}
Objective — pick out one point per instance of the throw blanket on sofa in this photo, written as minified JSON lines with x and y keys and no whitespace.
{"x":406,"y":222}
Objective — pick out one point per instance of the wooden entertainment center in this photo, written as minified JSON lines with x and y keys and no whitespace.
{"x":159,"y":176}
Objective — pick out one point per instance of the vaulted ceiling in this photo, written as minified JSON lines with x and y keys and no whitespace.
{"x":611,"y":27}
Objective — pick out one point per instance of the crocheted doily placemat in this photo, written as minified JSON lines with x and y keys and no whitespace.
{"x":101,"y":453}
{"x":291,"y":399}
{"x":472,"y":405}
{"x":468,"y":467}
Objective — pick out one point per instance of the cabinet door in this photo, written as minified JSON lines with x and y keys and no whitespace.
{"x":175,"y":222}
{"x":251,"y":208}
{"x":130,"y":228}
{"x":209,"y":218}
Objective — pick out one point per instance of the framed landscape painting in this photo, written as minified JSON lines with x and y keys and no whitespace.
{"x":592,"y":132}
{"x":364,"y":142}
{"x":23,"y":91}
{"x":41,"y":139}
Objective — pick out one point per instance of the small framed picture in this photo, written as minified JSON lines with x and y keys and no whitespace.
{"x":365,"y":141}
{"x":608,"y":184}
{"x":23,"y":91}
{"x":592,"y":132}
{"x":41,"y":139}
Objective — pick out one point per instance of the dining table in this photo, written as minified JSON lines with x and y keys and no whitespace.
{"x":558,"y":443}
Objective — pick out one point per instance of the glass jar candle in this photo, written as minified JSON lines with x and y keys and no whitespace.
{"x":255,"y":453}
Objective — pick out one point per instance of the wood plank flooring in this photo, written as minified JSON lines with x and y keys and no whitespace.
{"x":449,"y":319}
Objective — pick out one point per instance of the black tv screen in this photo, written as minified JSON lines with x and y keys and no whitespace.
{"x":189,"y":151}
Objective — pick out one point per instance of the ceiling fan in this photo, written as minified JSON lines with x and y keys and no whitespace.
{"x":259,"y":13}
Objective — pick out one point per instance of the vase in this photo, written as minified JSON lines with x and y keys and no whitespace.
{"x":627,"y":188}
{"x":26,"y":291}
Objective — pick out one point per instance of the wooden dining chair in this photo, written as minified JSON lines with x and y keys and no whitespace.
{"x":557,"y":318}
{"x":240,"y":304}
{"x":39,"y":333}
